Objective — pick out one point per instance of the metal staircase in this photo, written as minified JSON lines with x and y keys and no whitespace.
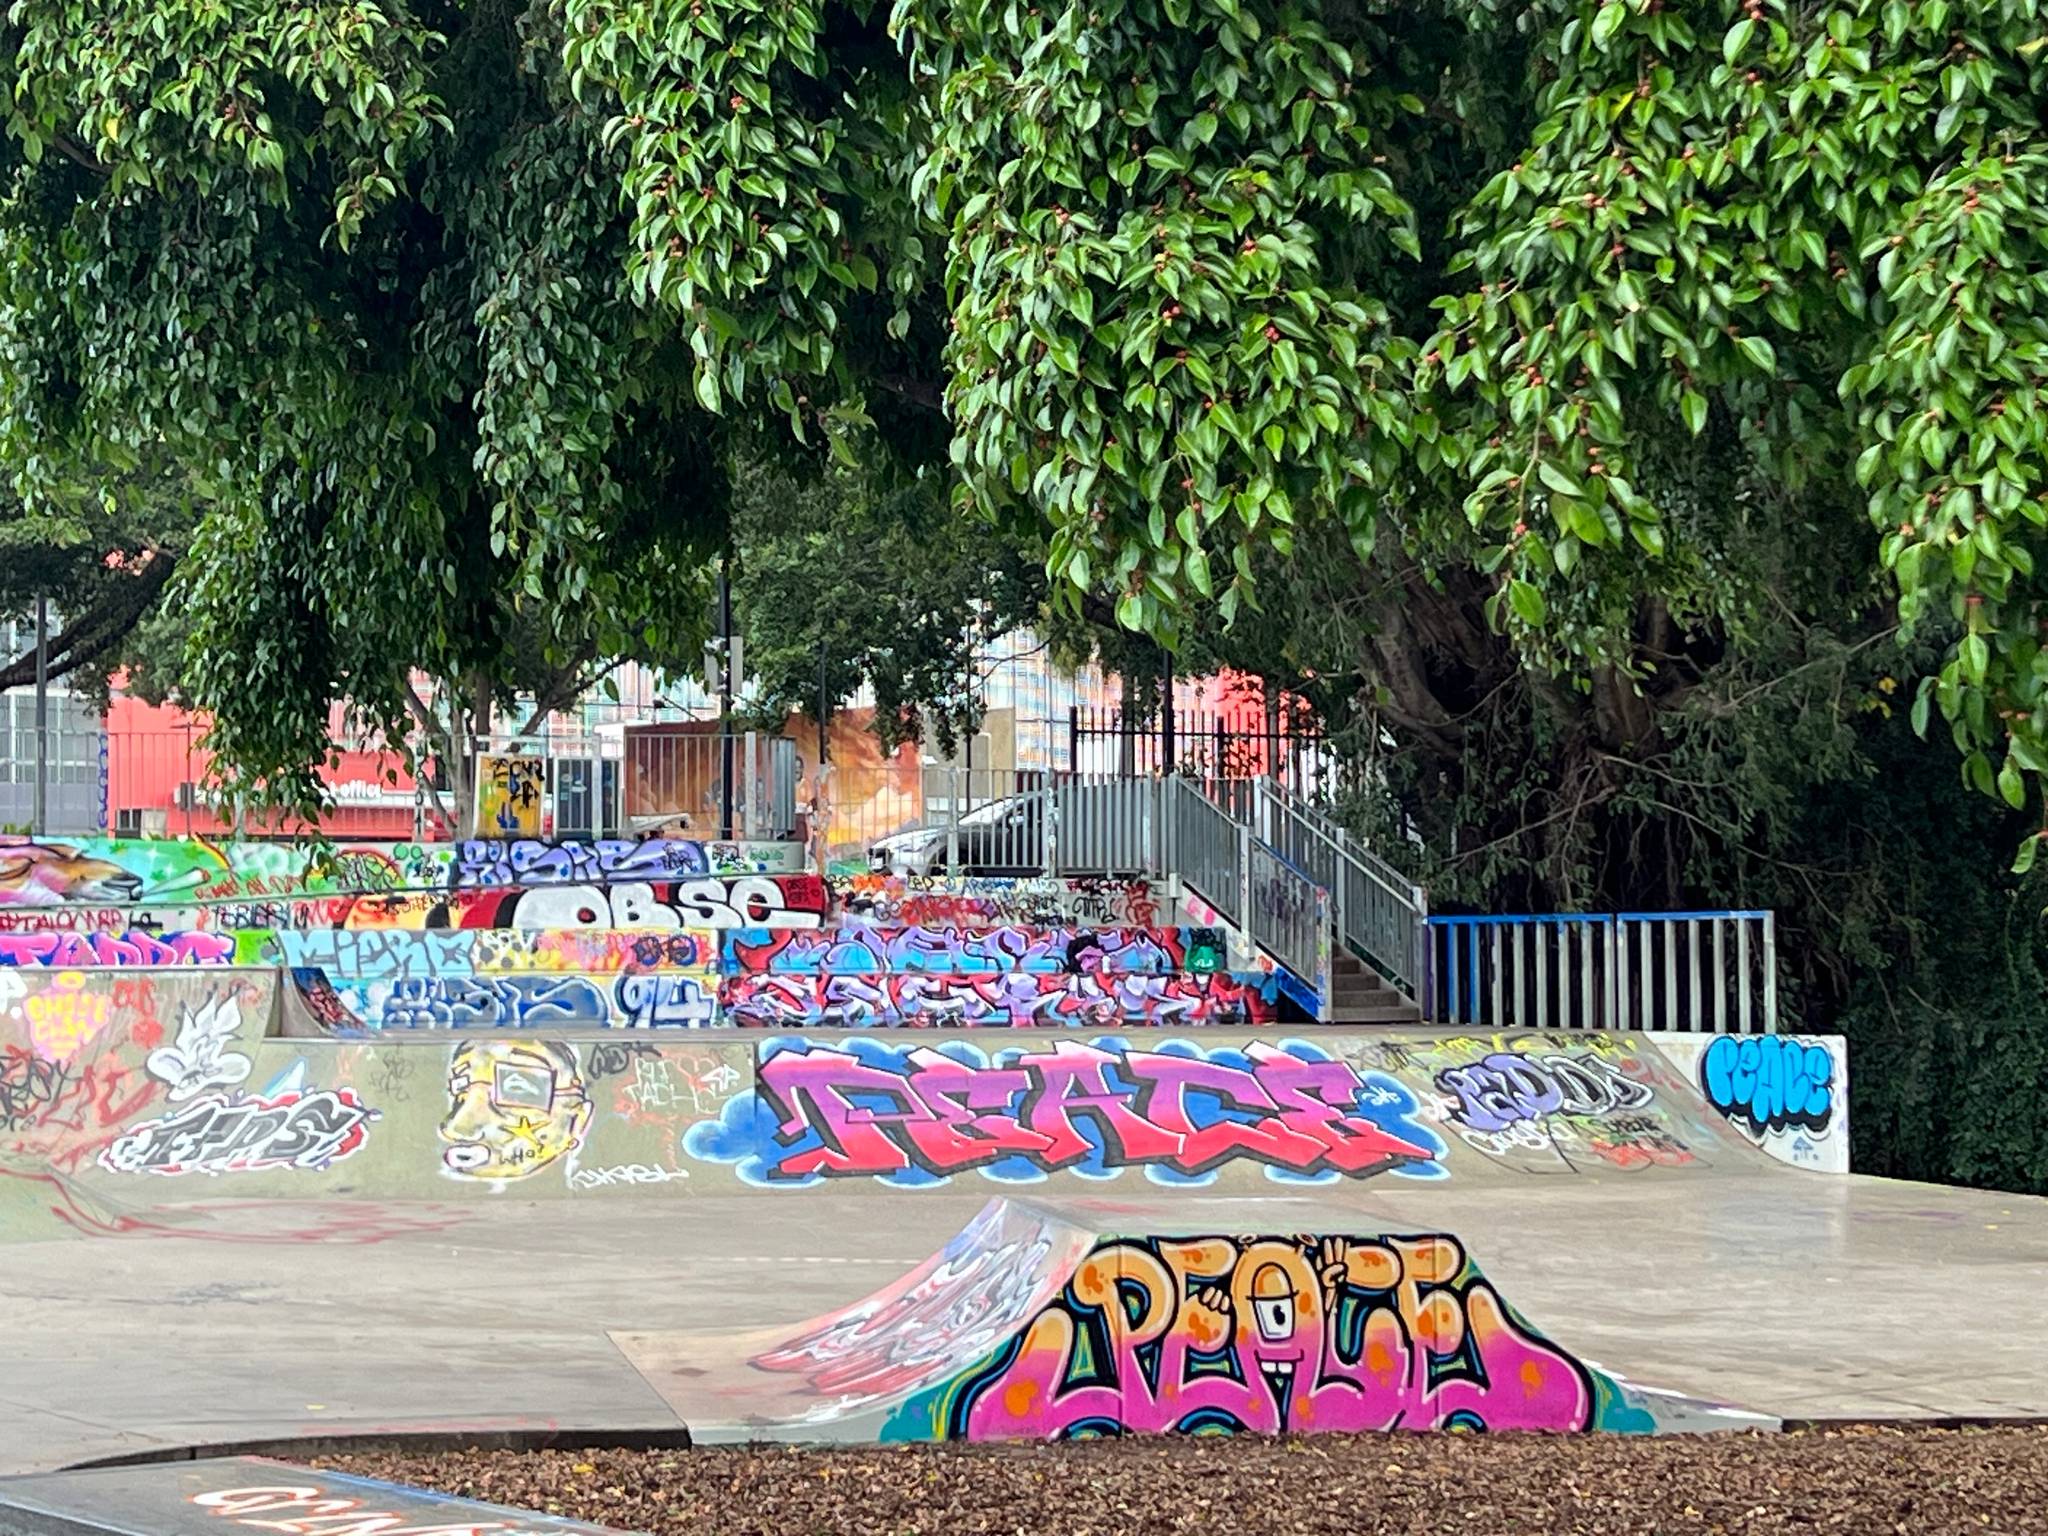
{"x":1349,"y":925}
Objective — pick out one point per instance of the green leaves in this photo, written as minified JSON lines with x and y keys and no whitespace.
{"x":1176,"y":323}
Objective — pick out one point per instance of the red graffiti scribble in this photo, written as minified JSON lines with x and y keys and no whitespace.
{"x":1021,"y":999}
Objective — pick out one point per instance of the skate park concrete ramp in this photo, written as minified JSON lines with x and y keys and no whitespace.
{"x":493,"y":1228}
{"x":1032,"y":1326}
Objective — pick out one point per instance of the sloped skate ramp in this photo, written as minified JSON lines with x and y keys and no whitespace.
{"x":199,"y":1498}
{"x":1031,"y":1326}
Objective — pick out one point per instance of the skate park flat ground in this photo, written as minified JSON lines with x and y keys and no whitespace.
{"x":1794,"y":1294}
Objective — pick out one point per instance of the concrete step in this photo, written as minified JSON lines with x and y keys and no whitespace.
{"x":1393,"y":1013}
{"x":1346,"y":987}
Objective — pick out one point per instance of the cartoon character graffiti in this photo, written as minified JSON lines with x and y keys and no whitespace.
{"x":199,"y":1058}
{"x":43,"y":874}
{"x":514,"y":1108}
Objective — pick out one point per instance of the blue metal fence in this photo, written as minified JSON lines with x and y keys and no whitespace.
{"x":1698,"y":972}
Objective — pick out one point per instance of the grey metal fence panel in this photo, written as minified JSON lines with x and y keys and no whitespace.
{"x":1104,"y":824}
{"x":1205,"y":850}
{"x":1703,"y":972}
{"x":1288,"y":914}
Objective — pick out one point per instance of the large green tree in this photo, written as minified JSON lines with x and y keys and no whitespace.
{"x":1560,"y":339}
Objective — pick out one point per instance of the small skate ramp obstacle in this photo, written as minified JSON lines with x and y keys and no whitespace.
{"x":1029,"y":1326}
{"x":246,"y":1493}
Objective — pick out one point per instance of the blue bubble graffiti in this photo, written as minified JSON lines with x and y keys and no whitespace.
{"x":1770,"y":1082}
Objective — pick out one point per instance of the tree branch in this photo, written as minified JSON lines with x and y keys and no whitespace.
{"x":917,"y":391}
{"x":100,"y":629}
{"x":437,"y":736}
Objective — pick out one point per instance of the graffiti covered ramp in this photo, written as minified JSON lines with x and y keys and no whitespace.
{"x":1034,"y":1324}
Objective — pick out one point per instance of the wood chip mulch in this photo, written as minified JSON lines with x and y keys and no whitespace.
{"x":1891,"y":1480}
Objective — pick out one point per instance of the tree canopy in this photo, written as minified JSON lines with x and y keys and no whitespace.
{"x":1578,"y":350}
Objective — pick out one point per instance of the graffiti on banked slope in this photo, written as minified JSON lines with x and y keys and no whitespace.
{"x":515,"y":1000}
{"x":1021,"y":999}
{"x":916,"y":1115}
{"x":134,"y":947}
{"x":110,"y":870}
{"x":1267,"y":1335}
{"x":863,"y":949}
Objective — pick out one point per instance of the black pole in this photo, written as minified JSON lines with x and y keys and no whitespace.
{"x":39,"y":823}
{"x":1166,"y":713}
{"x":725,"y":696}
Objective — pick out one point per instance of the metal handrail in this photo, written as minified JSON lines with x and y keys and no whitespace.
{"x":1379,"y":912}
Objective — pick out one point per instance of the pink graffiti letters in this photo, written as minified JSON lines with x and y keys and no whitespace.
{"x":1267,"y":1335}
{"x":300,"y":1510}
{"x":131,"y":948}
{"x":1095,"y":1107}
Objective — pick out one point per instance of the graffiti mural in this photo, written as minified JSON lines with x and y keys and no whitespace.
{"x":221,"y":1134}
{"x":915,"y":1115}
{"x":958,"y":1305}
{"x":1519,"y":1100}
{"x":200,"y":1057}
{"x":514,"y":1108}
{"x":989,"y":901}
{"x":1787,"y":1094}
{"x":133,"y":947}
{"x":389,"y":954}
{"x":1510,"y":1087}
{"x":1267,"y":1335}
{"x":946,"y":949}
{"x":342,"y":1004}
{"x":1018,"y":999}
{"x":538,"y":862}
{"x":1770,"y":1082}
{"x":511,"y":795}
{"x":110,"y":871}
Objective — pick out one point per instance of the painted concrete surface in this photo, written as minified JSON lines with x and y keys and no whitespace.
{"x":201,"y":1498}
{"x":1775,"y":1290}
{"x":161,"y":1086}
{"x":214,"y":1233}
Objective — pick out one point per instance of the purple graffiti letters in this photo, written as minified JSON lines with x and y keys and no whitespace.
{"x":1509,"y":1087}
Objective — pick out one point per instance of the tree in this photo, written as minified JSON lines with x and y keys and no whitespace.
{"x":850,"y":579}
{"x":102,"y":558}
{"x":1555,"y":332}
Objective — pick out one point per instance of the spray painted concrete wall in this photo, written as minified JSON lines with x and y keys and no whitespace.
{"x":1789,"y":1094}
{"x":781,"y":900}
{"x":95,"y":872}
{"x":168,"y":1086}
{"x":857,"y":975}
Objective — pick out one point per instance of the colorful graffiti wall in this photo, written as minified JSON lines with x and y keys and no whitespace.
{"x":1266,"y":1335}
{"x":100,"y":872}
{"x":861,"y":948}
{"x":712,"y":901}
{"x":179,"y":1079}
{"x":852,"y":977}
{"x":915,"y":1115}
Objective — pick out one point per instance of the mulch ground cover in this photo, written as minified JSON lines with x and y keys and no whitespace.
{"x":1909,"y":1480}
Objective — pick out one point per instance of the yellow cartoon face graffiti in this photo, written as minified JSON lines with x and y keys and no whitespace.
{"x":514,"y":1107}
